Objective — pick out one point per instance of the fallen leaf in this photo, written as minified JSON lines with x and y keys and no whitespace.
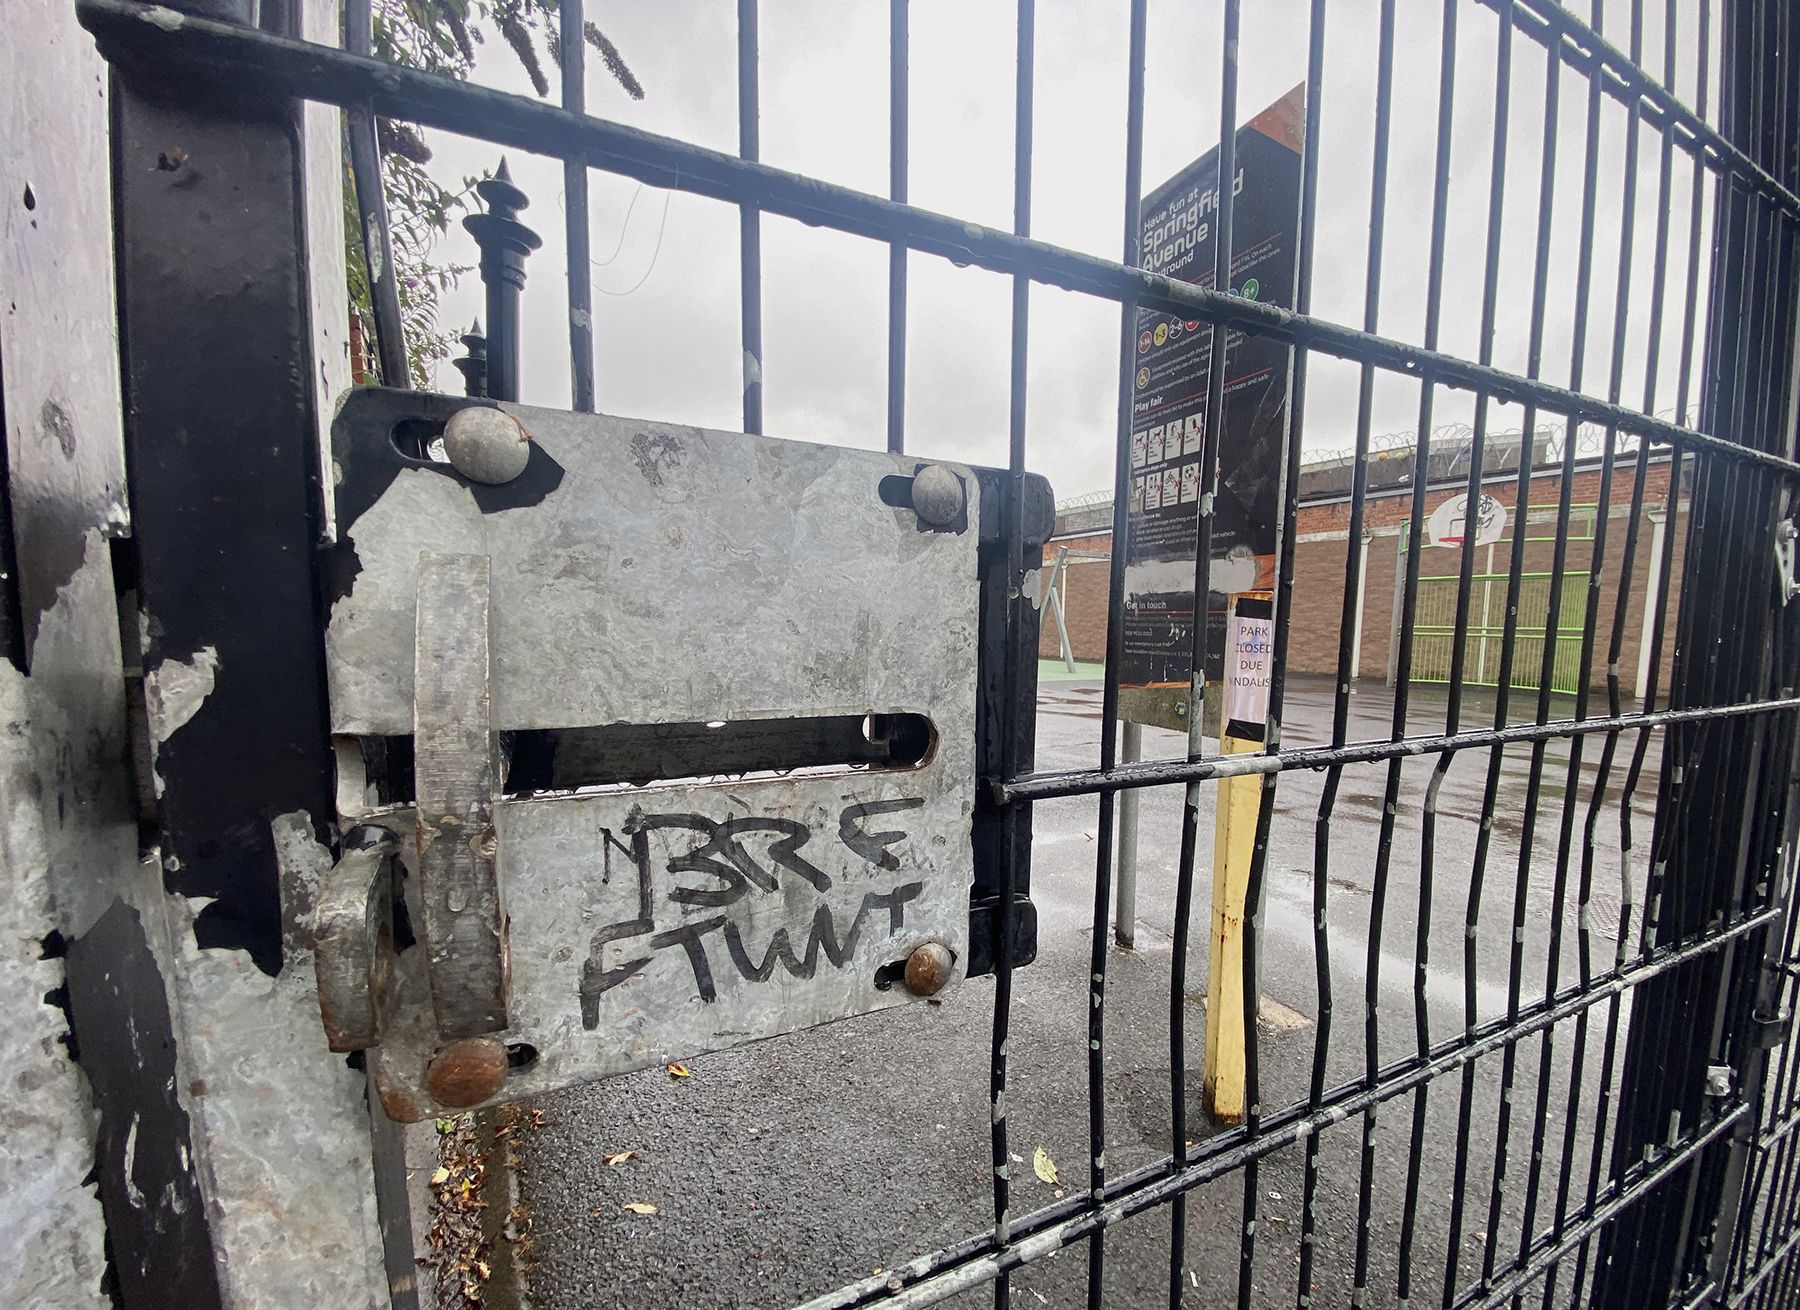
{"x":620,"y":1157}
{"x":679,"y":1070}
{"x":481,"y":1267}
{"x":445,"y":1125}
{"x":640,"y":1207}
{"x":441,"y":1177}
{"x":1043,"y":1166}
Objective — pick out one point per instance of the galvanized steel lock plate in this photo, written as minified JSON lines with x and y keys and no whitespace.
{"x":677,"y":731}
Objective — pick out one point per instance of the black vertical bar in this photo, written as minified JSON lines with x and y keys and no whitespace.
{"x":1015,"y":563}
{"x":371,"y":211}
{"x":1507,"y":655}
{"x":1684,"y":380}
{"x":750,"y":217}
{"x":1465,"y":573}
{"x":1285,"y":531}
{"x":1340,"y":717}
{"x":1546,"y":683}
{"x":1352,"y":608}
{"x":575,"y":212}
{"x":1190,"y":810}
{"x":1676,"y":466}
{"x":1596,"y":803}
{"x":1309,"y":203}
{"x":1115,"y":637}
{"x":898,"y":111}
{"x":1508,"y":643}
{"x":1646,"y":1112}
{"x":1572,"y":778}
{"x":1412,"y":542}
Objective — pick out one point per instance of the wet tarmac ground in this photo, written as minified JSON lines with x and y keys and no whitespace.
{"x":783,"y":1169}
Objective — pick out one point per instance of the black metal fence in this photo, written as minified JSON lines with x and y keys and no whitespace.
{"x":1646,"y":1097}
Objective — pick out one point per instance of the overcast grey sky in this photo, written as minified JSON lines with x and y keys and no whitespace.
{"x":666,"y":271}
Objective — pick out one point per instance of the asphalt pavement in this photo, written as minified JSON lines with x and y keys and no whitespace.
{"x":783,"y":1169}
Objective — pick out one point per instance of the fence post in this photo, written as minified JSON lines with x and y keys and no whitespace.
{"x":504,"y":242}
{"x":473,"y":363}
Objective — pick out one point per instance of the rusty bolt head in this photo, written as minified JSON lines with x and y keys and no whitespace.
{"x":466,"y":1072}
{"x":928,"y":969}
{"x":937,"y":495}
{"x":486,"y":445}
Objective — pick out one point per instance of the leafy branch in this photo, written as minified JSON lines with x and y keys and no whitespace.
{"x":442,"y":36}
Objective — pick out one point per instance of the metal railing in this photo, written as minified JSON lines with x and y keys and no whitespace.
{"x":1661,"y":1188}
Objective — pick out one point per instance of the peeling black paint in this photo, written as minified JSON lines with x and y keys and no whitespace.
{"x":158,"y":1241}
{"x":58,"y":426}
{"x":57,"y":528}
{"x":223,"y":479}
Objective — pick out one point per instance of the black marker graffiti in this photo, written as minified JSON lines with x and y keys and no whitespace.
{"x":722,"y":856}
{"x":873,"y":846}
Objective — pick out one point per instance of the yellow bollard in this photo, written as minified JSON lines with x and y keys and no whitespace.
{"x":1234,"y":837}
{"x":1234,"y":842}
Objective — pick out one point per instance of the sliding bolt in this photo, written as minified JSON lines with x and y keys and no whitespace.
{"x":928,"y":969}
{"x":937,"y":495}
{"x":486,"y":445}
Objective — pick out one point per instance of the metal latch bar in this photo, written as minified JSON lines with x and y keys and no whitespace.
{"x":454,"y":764}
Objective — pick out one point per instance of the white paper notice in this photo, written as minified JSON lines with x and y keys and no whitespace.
{"x":1249,"y":649}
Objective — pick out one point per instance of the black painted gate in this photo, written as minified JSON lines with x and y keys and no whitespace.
{"x":1624,"y":1114}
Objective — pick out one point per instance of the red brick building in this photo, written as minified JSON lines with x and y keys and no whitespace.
{"x":1323,"y":552}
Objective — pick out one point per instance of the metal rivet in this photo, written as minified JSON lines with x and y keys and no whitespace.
{"x":486,"y":445}
{"x":466,"y":1072}
{"x":937,"y":495}
{"x":928,"y":969}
